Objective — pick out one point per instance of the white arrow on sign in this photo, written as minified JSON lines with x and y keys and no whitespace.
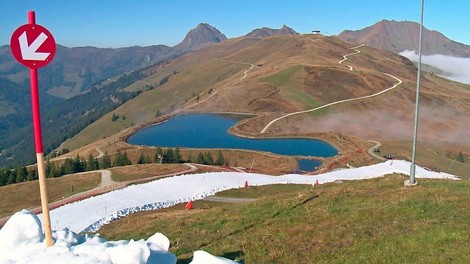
{"x":29,"y":52}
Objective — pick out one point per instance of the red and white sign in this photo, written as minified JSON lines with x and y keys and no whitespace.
{"x":33,"y":46}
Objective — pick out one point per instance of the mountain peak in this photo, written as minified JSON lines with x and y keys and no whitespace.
{"x":204,"y":26}
{"x":200,"y":36}
{"x":267,"y":32}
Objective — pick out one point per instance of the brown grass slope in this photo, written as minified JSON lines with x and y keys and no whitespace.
{"x":295,"y":73}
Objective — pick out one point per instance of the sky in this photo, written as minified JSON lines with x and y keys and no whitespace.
{"x":120,"y":23}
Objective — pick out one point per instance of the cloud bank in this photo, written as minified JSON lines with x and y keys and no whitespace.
{"x":456,"y":69}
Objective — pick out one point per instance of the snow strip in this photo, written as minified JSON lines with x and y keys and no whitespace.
{"x":90,"y":214}
{"x":22,"y":241}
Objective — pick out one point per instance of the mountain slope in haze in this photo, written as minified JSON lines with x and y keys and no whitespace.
{"x":62,"y":121}
{"x":266,"y":32}
{"x":398,"y":36}
{"x":74,"y":70}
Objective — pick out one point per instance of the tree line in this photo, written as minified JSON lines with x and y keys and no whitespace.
{"x":79,"y":164}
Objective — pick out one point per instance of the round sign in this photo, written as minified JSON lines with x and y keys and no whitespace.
{"x":33,"y":46}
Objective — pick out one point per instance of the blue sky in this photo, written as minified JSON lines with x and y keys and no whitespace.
{"x":120,"y":23}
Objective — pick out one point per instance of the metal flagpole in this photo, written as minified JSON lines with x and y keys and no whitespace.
{"x":412,"y":180}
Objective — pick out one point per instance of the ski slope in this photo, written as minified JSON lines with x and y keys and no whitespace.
{"x":92,"y":213}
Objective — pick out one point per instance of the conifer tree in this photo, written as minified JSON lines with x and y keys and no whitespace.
{"x":66,"y":168}
{"x":122,"y":159}
{"x":208,"y":160}
{"x":92,"y":164}
{"x":11,"y":177}
{"x":200,"y":158}
{"x":220,"y":158}
{"x":51,"y":170}
{"x":169,"y":156}
{"x":105,"y":161}
{"x":142,"y":159}
{"x":32,"y":175}
{"x":3,"y":177}
{"x":20,"y":174}
{"x":126,"y":159}
{"x":177,"y":156}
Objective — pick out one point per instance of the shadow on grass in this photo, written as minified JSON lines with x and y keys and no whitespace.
{"x":229,"y":255}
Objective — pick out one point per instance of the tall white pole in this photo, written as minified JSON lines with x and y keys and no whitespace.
{"x":415,"y":133}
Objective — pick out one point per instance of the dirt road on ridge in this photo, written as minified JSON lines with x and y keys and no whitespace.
{"x":399,"y":81}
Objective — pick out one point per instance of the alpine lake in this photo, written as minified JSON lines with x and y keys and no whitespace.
{"x":211,"y":131}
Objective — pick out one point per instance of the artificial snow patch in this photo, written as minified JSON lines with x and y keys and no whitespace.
{"x":159,"y":245}
{"x":21,"y":241}
{"x":23,"y":229}
{"x":91,"y":214}
{"x":158,"y":242}
{"x":202,"y":257}
{"x":134,"y":252}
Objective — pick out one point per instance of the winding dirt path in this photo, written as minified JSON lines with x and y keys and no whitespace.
{"x":100,"y":151}
{"x":238,"y":62}
{"x":345,"y":57}
{"x":373,"y":153}
{"x":399,"y":81}
{"x":245,"y":74}
{"x":197,"y":103}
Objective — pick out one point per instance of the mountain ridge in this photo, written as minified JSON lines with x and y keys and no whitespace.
{"x":90,"y":65}
{"x":267,"y":32}
{"x":398,"y":36}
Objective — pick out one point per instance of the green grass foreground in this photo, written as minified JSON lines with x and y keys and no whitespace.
{"x":373,"y":221}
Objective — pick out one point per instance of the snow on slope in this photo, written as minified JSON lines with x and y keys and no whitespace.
{"x":92,"y":213}
{"x":22,"y":241}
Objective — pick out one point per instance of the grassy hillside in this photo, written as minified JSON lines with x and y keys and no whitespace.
{"x":373,"y":221}
{"x":219,"y":70}
{"x":274,"y":76}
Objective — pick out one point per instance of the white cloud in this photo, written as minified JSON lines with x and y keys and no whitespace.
{"x":457,"y":69}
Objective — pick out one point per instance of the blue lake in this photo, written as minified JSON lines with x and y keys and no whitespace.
{"x":211,"y":131}
{"x":308,"y":164}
